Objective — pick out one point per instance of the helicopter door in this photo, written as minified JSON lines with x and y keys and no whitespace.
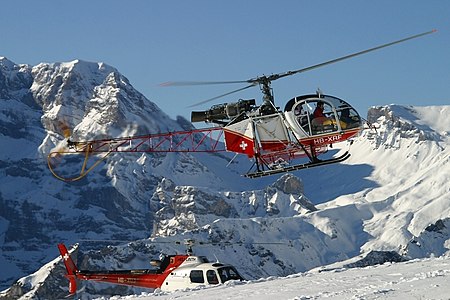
{"x":302,"y":117}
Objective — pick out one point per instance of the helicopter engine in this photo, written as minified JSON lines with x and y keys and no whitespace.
{"x":221,"y":112}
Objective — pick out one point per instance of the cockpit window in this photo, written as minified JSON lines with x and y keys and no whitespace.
{"x":348,"y":117}
{"x":323,"y":119}
{"x":228,"y":273}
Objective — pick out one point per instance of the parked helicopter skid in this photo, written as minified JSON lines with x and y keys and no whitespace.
{"x":171,"y":273}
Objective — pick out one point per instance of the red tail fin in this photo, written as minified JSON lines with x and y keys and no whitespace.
{"x":71,"y":268}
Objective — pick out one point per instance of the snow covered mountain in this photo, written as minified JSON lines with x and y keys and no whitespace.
{"x":391,"y":195}
{"x":94,"y":100}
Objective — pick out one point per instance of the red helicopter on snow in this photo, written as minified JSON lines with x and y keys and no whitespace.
{"x":171,"y":273}
{"x":273,"y":138}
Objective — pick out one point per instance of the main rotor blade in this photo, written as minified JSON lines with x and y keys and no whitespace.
{"x":223,"y":95}
{"x":187,"y":83}
{"x":280,"y":75}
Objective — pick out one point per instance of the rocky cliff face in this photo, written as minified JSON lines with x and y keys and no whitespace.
{"x":183,"y":208}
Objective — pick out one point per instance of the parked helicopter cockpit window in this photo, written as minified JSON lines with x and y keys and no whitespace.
{"x":196,"y":276}
{"x":211,"y":276}
{"x":163,"y":262}
{"x":229,"y":273}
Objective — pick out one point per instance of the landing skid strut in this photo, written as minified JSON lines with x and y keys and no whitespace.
{"x":308,"y":165}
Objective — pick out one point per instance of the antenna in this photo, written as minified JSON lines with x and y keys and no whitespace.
{"x":319,"y":92}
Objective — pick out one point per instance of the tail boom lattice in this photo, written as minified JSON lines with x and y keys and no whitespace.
{"x":197,"y":140}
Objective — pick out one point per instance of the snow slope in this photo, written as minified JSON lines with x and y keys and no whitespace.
{"x":415,"y":279}
{"x":397,"y":178}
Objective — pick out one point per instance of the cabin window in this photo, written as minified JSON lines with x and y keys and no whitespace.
{"x":196,"y":276}
{"x":212,"y":277}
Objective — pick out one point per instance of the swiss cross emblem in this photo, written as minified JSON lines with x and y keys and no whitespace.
{"x":66,"y":256}
{"x":243,"y":145}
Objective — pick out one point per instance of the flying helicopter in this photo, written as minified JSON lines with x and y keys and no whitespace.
{"x":173,"y":272}
{"x":274,"y":139}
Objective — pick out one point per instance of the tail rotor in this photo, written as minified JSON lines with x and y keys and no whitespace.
{"x":71,"y":268}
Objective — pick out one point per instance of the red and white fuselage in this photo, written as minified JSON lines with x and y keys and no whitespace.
{"x":294,"y":131}
{"x":174,"y":272}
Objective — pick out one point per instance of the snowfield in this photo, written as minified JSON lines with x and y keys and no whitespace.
{"x":414,"y":279}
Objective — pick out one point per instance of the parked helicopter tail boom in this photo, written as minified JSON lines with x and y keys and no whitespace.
{"x":147,"y":278}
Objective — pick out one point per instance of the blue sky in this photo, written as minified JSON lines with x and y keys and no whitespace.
{"x":152,"y":42}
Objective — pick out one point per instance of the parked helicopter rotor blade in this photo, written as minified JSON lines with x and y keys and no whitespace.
{"x":187,"y":83}
{"x":280,"y":75}
{"x":178,"y":242}
{"x":223,"y":95}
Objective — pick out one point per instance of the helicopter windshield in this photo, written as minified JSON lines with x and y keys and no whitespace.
{"x":229,"y":273}
{"x":324,"y":114}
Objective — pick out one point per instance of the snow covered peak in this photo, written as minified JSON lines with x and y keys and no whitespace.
{"x":70,"y":83}
{"x":94,"y":100}
{"x":6,"y":64}
{"x":422,"y":123}
{"x":15,"y":80}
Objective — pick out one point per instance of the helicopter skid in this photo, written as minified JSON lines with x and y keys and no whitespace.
{"x":311,"y":164}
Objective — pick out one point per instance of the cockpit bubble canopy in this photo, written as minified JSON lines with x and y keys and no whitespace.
{"x":318,"y":114}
